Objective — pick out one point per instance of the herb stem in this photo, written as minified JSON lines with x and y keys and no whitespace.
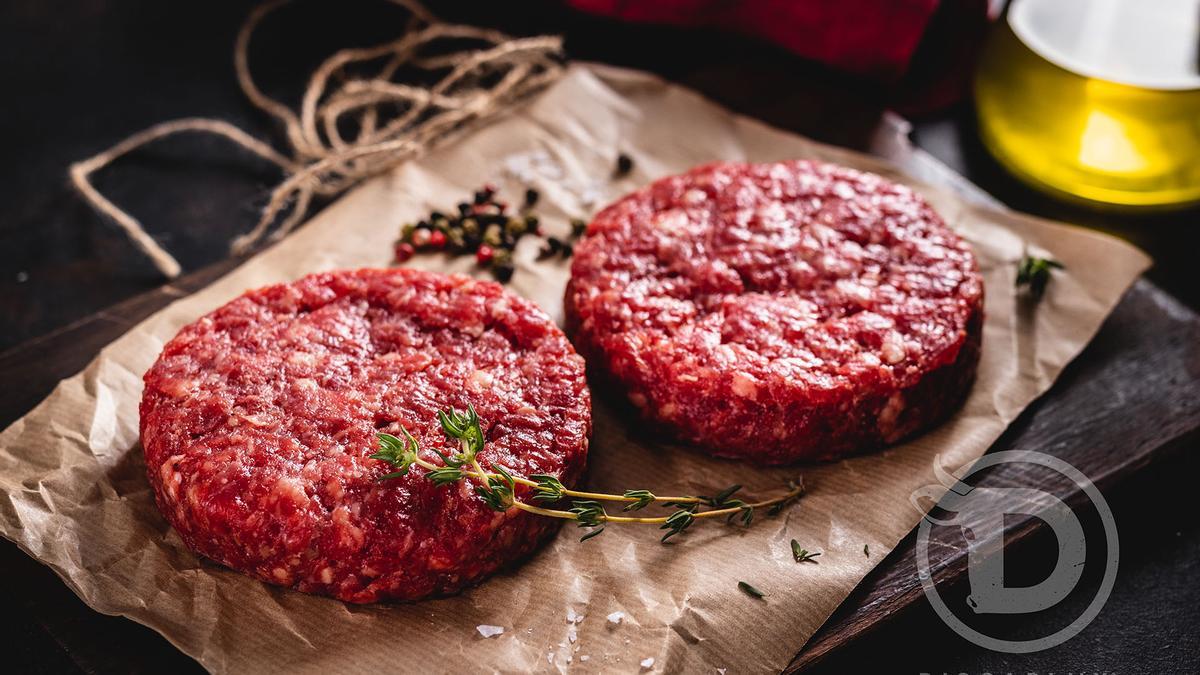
{"x":497,"y":486}
{"x":622,"y":498}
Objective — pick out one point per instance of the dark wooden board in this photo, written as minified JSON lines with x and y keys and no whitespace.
{"x":1132,"y":397}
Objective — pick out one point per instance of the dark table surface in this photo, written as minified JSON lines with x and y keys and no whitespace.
{"x":79,"y":76}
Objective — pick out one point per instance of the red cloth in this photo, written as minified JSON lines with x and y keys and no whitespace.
{"x":875,"y":38}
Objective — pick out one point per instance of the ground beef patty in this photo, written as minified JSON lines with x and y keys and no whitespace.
{"x":779,"y":312}
{"x":258,"y":419}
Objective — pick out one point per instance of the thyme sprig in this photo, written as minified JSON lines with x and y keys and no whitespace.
{"x":497,"y":487}
{"x":1034,"y":272}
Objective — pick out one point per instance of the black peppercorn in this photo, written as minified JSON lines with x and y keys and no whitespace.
{"x":578,"y":227}
{"x":624,"y":164}
{"x":568,"y":250}
{"x":503,"y":273}
{"x":531,"y":197}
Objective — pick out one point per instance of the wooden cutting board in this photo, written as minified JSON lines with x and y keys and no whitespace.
{"x":1133,"y":396}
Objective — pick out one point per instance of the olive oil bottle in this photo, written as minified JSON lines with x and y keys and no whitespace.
{"x":1096,"y":100}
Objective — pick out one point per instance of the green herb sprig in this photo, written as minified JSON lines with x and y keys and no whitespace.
{"x":498,"y":488}
{"x":801,"y":554}
{"x":1034,"y":272}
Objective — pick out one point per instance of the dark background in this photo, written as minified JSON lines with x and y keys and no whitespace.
{"x":79,"y":76}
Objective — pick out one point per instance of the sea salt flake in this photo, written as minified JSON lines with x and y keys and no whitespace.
{"x":720,"y":671}
{"x":572,"y":617}
{"x":648,"y":662}
{"x":616,"y":617}
{"x":489,"y":631}
{"x":585,"y":657}
{"x":572,"y":636}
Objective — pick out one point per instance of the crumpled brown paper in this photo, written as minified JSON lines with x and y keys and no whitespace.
{"x":75,"y":496}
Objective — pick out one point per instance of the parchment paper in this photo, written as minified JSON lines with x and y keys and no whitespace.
{"x":75,"y":496}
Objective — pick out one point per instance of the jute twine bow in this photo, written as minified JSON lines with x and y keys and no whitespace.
{"x":392,"y":122}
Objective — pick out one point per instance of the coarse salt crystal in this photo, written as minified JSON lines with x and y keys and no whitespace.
{"x":585,"y":657}
{"x":572,"y":636}
{"x":572,"y":617}
{"x":616,"y":618}
{"x":648,"y":662}
{"x":489,"y":631}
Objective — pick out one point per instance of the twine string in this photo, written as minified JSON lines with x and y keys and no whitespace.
{"x":477,"y":83}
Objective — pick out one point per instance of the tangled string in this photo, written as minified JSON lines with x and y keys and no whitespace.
{"x":390,"y":122}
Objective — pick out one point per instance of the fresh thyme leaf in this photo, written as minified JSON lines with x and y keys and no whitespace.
{"x":399,"y":453}
{"x":644,"y":498}
{"x":677,"y":522}
{"x":498,"y":493}
{"x":595,"y":532}
{"x":505,"y":476}
{"x":589,"y":513}
{"x":802,"y":555}
{"x":464,"y":427}
{"x":1034,"y":272}
{"x":548,"y":489}
{"x":746,"y":515}
{"x":493,"y":498}
{"x":686,"y":506}
{"x":445,"y":475}
{"x":719,"y":501}
{"x":750,"y":590}
{"x":454,"y":461}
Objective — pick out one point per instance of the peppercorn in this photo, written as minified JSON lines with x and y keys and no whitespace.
{"x":485,"y":194}
{"x":437,"y":239}
{"x":491,"y":236}
{"x":501,"y":257}
{"x":555,"y":243}
{"x":464,"y":208}
{"x":441,"y":224}
{"x":568,"y":250}
{"x":420,"y":237}
{"x":406,"y":231}
{"x":624,"y":164}
{"x":531,"y":197}
{"x":515,"y":227}
{"x":404,"y":251}
{"x":531,"y":224}
{"x":470,"y":226}
{"x":578,"y":227}
{"x":503,"y":273}
{"x":483,"y":257}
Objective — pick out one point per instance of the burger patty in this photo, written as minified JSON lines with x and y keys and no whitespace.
{"x":257,"y":422}
{"x":779,"y":312}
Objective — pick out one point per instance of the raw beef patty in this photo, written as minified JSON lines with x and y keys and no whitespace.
{"x":779,"y":312}
{"x":258,"y":419}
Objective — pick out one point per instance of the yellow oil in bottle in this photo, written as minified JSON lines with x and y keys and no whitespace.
{"x":1096,"y":99}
